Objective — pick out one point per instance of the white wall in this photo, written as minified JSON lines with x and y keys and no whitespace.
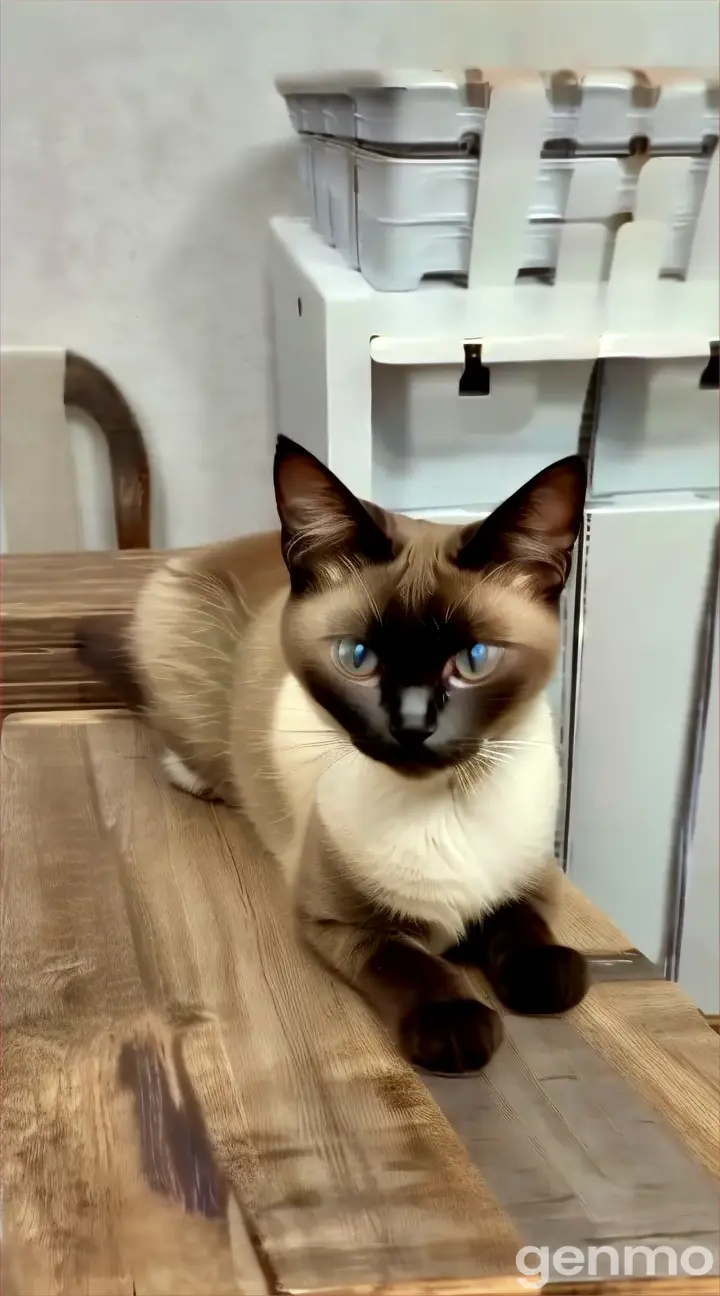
{"x":142,"y":150}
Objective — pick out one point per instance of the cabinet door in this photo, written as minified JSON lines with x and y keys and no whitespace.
{"x":438,"y":443}
{"x":646,"y":580}
{"x":699,"y":972}
{"x":657,"y":427}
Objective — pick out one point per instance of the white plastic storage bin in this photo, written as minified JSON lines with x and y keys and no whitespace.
{"x":436,"y":448}
{"x":647,"y":586}
{"x":330,"y":178}
{"x":400,"y":219}
{"x":599,"y":111}
{"x":657,"y":427}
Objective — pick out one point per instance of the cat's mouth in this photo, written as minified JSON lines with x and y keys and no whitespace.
{"x":416,"y":760}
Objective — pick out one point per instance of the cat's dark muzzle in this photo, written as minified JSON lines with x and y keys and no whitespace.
{"x":414,"y":756}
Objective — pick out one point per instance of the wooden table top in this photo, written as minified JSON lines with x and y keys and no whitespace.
{"x":191,"y":1105}
{"x":43,"y":598}
{"x":44,"y":594}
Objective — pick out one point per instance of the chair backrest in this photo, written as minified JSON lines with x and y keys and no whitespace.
{"x":44,"y":470}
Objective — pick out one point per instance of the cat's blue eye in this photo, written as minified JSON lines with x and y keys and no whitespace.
{"x":355,"y":658}
{"x":476,"y":663}
{"x":478,"y":655}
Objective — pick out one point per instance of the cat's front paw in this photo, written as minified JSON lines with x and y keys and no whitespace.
{"x":452,"y":1036}
{"x":541,"y":980}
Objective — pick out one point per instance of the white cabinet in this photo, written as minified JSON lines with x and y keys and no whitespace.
{"x":699,"y":970}
{"x":371,"y":382}
{"x":658,"y":426}
{"x":434,"y":445}
{"x":648,"y":567}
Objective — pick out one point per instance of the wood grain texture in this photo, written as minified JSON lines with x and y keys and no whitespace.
{"x":190,"y":1105}
{"x":176,"y":1068}
{"x":681,"y":1286}
{"x":645,"y":1286}
{"x":659,"y":1041}
{"x":573,"y":1155}
{"x":53,"y":694}
{"x":44,"y":664}
{"x":90,"y":389}
{"x":43,"y":599}
{"x":652,"y":1033}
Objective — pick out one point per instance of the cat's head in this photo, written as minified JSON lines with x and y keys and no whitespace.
{"x":423,"y":640}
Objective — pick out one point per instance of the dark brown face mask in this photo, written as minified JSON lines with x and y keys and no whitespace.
{"x":420,"y":640}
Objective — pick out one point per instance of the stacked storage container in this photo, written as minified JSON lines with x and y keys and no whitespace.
{"x":437,"y":365}
{"x":390,"y":164}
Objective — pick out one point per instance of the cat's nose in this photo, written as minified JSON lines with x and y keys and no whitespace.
{"x":412,"y":735}
{"x":415,"y":720}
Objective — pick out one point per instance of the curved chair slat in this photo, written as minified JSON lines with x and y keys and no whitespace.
{"x":92,"y":391}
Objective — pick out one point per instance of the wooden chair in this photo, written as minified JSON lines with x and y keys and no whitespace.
{"x":39,"y":470}
{"x":43,"y":489}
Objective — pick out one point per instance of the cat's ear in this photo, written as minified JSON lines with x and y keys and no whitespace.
{"x":321,"y":520}
{"x":534,"y":531}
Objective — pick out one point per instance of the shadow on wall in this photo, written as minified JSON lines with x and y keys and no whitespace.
{"x":225,"y":294}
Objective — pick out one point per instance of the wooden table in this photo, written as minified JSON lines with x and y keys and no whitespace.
{"x":190,"y":1105}
{"x":43,"y":598}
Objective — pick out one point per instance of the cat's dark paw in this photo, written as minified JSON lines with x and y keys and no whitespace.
{"x":541,"y":980}
{"x":452,"y":1036}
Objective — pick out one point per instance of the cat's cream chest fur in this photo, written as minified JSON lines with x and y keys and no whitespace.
{"x":421,"y":847}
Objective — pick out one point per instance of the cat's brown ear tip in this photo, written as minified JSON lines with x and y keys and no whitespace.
{"x":573,"y":468}
{"x":285,"y":448}
{"x":294,"y":466}
{"x":577,"y":464}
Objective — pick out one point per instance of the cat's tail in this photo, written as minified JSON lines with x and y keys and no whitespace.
{"x":103,"y":646}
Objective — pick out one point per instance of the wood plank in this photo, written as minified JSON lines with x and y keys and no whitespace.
{"x":55,"y":695}
{"x":73,"y":1002}
{"x":654,"y":1035}
{"x":574,"y":1156}
{"x":152,"y":964}
{"x":48,"y":678}
{"x":651,"y":1032}
{"x":43,"y":599}
{"x":47,"y":663}
{"x":43,"y":596}
{"x":177,"y":1063}
{"x":678,"y":1286}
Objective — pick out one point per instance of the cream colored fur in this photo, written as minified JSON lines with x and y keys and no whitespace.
{"x":236,"y":721}
{"x":439,"y":852}
{"x":432,"y":850}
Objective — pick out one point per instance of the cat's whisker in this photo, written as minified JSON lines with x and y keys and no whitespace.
{"x":516,"y":744}
{"x":314,"y":735}
{"x":451,"y":607}
{"x":514,"y":747}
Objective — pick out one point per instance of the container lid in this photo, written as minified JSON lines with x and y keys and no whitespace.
{"x":344,"y":81}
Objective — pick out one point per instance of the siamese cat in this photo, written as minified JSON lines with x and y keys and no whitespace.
{"x":371,"y":690}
